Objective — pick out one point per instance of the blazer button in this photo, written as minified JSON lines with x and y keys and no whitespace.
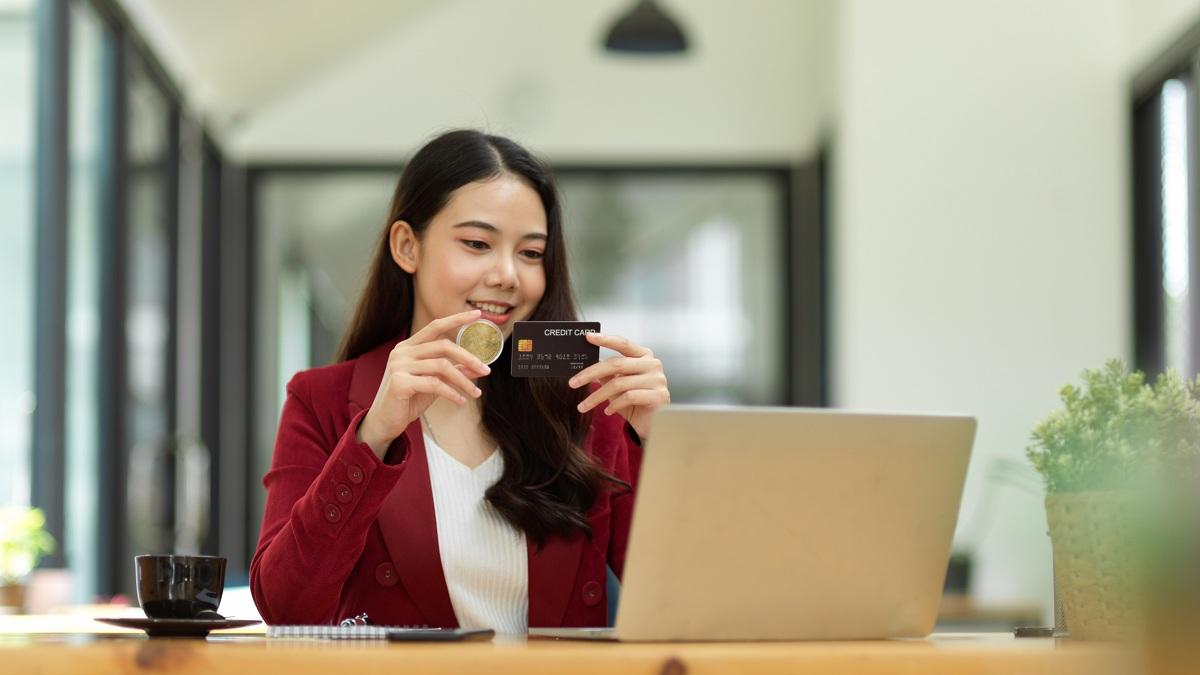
{"x":343,"y":493}
{"x":592,"y":593}
{"x":354,"y":473}
{"x":332,"y":513}
{"x":385,"y":575}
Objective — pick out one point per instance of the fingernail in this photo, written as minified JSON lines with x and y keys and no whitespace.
{"x":579,"y":407}
{"x":478,"y":392}
{"x":572,"y":383}
{"x":486,"y":368}
{"x":608,"y":411}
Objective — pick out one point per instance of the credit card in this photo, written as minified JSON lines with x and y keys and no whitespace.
{"x":552,"y":348}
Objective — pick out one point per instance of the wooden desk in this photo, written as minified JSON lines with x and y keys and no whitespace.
{"x":961,"y":654}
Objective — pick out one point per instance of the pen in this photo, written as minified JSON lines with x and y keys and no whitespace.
{"x":360,"y":620}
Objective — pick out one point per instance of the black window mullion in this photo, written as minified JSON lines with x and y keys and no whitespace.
{"x":1149,"y":338}
{"x":113,"y":568}
{"x":251,"y":478}
{"x":236,"y":524}
{"x":1193,"y":201}
{"x":170,"y":171}
{"x":210,"y":333}
{"x":48,"y":461}
{"x":807,"y":267}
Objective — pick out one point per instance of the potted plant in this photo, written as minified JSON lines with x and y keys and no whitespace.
{"x":1113,"y":441}
{"x":23,"y":540}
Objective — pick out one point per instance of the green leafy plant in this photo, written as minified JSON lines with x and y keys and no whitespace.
{"x":1116,"y":429}
{"x":23,"y":540}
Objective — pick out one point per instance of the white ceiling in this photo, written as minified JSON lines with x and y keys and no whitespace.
{"x":236,"y":55}
{"x":347,"y":80}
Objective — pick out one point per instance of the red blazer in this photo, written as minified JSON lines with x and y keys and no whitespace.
{"x":345,"y":533}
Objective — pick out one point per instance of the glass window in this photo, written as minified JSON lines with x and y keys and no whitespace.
{"x":314,"y":237}
{"x":148,"y":305}
{"x":1177,"y":320}
{"x":17,"y":257}
{"x":90,"y":40}
{"x":690,"y":265}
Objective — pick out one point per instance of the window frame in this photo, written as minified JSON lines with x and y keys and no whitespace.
{"x":1180,"y":60}
{"x":805,"y":263}
{"x":52,"y":209}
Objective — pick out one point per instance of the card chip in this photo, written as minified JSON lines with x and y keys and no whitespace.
{"x":524,"y":345}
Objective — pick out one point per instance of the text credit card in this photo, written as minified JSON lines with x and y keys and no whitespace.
{"x":552,"y":348}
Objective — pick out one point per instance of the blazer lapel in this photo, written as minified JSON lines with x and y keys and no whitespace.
{"x":407,"y":519}
{"x":364,"y":381}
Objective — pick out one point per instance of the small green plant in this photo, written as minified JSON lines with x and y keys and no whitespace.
{"x":1117,"y":429}
{"x":23,"y":540}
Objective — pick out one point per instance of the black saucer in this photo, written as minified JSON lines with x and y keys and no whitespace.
{"x":177,"y":627}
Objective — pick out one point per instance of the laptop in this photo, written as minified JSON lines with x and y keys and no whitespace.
{"x":789,"y":524}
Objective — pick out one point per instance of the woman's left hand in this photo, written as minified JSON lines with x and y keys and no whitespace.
{"x":633,"y":383}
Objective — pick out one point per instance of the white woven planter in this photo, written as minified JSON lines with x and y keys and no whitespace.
{"x":1094,"y":562}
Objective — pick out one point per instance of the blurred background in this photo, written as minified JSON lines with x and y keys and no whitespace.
{"x":916,"y":205}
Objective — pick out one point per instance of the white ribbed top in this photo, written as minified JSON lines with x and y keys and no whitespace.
{"x":484,"y":558}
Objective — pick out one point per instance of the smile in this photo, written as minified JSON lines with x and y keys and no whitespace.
{"x":491,"y":308}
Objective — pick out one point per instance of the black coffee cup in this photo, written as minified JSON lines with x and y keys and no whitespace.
{"x":179,"y":586}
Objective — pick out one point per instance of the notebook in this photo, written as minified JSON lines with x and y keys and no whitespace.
{"x":360,"y":632}
{"x":336,"y":632}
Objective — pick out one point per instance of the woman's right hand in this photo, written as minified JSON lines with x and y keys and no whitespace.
{"x":420,"y":369}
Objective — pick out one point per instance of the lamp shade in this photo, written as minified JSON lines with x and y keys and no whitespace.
{"x":646,"y":29}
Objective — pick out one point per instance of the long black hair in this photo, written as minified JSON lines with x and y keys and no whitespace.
{"x":549,"y":482}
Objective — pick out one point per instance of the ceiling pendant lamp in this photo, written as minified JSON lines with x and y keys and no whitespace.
{"x":646,"y":29}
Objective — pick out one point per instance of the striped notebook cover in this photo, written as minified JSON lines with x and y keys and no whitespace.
{"x":337,"y":632}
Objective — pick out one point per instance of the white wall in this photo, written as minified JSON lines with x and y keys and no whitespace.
{"x":1151,"y":25}
{"x":981,"y":240}
{"x":535,"y":69}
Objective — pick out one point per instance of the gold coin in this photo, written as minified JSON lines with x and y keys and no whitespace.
{"x":483,"y":339}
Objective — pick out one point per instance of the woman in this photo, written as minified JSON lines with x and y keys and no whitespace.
{"x":414,"y":484}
